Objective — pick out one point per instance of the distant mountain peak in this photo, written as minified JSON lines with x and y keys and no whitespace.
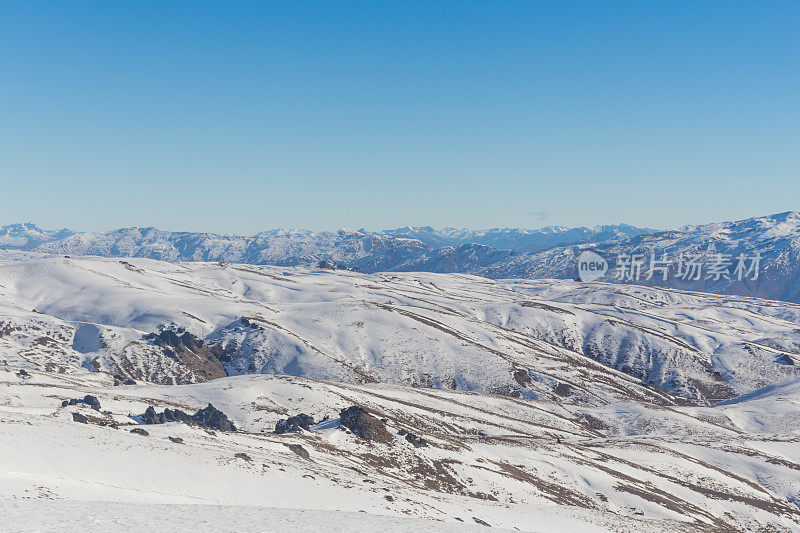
{"x":27,"y":235}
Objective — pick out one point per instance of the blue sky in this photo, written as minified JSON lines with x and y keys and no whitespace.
{"x":242,"y":116}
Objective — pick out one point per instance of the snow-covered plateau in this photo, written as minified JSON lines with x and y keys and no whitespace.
{"x":533,"y":405}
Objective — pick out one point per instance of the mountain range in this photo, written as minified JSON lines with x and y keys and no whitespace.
{"x":498,"y":253}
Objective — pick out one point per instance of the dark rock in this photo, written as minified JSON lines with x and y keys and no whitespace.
{"x":417,"y":442}
{"x":388,"y":498}
{"x":248,"y":323}
{"x":562,"y":389}
{"x":481,"y":522}
{"x":89,"y":400}
{"x":140,"y":431}
{"x":77,"y":417}
{"x":169,"y":338}
{"x":176,"y":440}
{"x":244,"y":456}
{"x":213,"y":418}
{"x":299,"y":450}
{"x":178,"y":344}
{"x":782,"y":360}
{"x":92,"y":402}
{"x":294,"y":423}
{"x":176,"y":415}
{"x":22,"y":373}
{"x":209,"y":417}
{"x":178,"y":339}
{"x":522,"y":377}
{"x":151,"y":417}
{"x":169,"y":415}
{"x":364,"y":425}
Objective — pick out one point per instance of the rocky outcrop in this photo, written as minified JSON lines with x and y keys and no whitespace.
{"x":169,"y":415}
{"x":140,"y":431}
{"x":294,"y":424}
{"x":364,"y":425}
{"x":417,"y":442}
{"x":89,"y":400}
{"x":203,"y":361}
{"x":209,"y":417}
{"x":213,"y":418}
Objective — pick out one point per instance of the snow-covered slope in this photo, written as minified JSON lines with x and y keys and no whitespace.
{"x":559,"y":340}
{"x":505,"y":462}
{"x":57,"y":516}
{"x":533,"y":405}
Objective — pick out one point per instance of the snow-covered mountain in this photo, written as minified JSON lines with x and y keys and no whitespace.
{"x":519,"y":404}
{"x":27,"y":236}
{"x":775,"y":238}
{"x":499,"y":253}
{"x":401,"y":249}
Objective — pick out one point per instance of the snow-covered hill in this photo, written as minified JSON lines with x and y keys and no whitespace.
{"x":515,"y":464}
{"x":546,"y":339}
{"x":536,"y":405}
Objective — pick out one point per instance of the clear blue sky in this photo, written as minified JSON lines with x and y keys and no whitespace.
{"x":241,"y":116}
